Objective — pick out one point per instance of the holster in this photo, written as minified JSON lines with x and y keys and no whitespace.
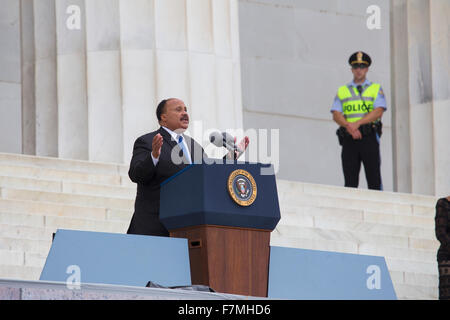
{"x":341,"y":134}
{"x":366,"y":130}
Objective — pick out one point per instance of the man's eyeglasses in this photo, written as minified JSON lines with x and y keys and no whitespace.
{"x":359,"y":66}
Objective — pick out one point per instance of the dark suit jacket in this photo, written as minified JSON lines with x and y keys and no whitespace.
{"x":149,"y":177}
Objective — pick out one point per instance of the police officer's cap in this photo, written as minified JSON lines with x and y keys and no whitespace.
{"x":360,"y":58}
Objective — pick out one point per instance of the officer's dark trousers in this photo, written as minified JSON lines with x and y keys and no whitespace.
{"x":367,"y":151}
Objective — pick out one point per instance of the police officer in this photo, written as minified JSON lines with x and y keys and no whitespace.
{"x":357,"y":109}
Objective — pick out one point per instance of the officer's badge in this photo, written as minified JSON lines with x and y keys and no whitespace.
{"x":359,"y":57}
{"x":242,"y":187}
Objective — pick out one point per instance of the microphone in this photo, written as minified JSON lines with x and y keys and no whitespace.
{"x":224,"y":139}
{"x":360,"y":89}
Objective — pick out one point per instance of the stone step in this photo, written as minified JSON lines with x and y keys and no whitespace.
{"x":115,"y":218}
{"x":63,"y":164}
{"x":422,"y":267}
{"x":381,"y":228}
{"x":124,"y":192}
{"x":306,"y":200}
{"x":119,"y":215}
{"x":369,"y":242}
{"x":346,"y":246}
{"x":26,"y":232}
{"x":60,"y":175}
{"x":20,"y":272}
{"x":414,"y":279}
{"x":20,"y":219}
{"x":337,"y":235}
{"x":39,"y":195}
{"x":9,"y":161}
{"x":25,"y":245}
{"x":68,"y":187}
{"x":323,"y":190}
{"x":295,"y":212}
{"x":340,"y":219}
{"x":52,"y":223}
{"x":33,"y":259}
{"x":41,"y":208}
{"x":30,"y":183}
{"x":425,"y":280}
{"x":313,"y":244}
{"x":410,"y":254}
{"x":68,"y":199}
{"x":12,"y":258}
{"x":86,"y":224}
{"x":416,"y":292}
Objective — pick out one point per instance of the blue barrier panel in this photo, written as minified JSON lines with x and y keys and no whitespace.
{"x":122,"y":259}
{"x":322,"y":275}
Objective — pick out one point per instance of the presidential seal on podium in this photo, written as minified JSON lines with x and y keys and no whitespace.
{"x":242,"y":187}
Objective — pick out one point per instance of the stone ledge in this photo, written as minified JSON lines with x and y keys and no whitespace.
{"x":12,"y":258}
{"x":19,"y":219}
{"x":68,"y":199}
{"x":26,"y":233}
{"x":59,"y":174}
{"x":302,"y":200}
{"x":323,"y":190}
{"x":58,"y":163}
{"x":41,"y":208}
{"x":48,"y":290}
{"x":25,"y":245}
{"x":414,"y":292}
{"x":81,"y":188}
{"x":348,"y":236}
{"x":20,"y":272}
{"x":428,"y":267}
{"x":314,"y":244}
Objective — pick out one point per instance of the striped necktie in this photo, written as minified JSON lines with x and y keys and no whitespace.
{"x":183,"y":147}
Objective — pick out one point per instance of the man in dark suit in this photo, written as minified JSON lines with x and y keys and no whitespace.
{"x":157,"y":156}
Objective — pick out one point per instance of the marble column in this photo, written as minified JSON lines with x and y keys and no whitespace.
{"x":202,"y":61}
{"x":46,"y":104}
{"x":72,"y":79}
{"x":28,"y":78}
{"x":420,"y":58}
{"x":81,"y":79}
{"x":137,"y":39}
{"x":400,"y":97}
{"x":10,"y":77}
{"x":440,"y":74}
{"x":104,"y":81}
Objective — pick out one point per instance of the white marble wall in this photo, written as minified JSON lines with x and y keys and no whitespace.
{"x":420,"y":58}
{"x":440,"y":73}
{"x":72,"y":84}
{"x":89,"y":92}
{"x":28,"y":124}
{"x":294,"y":57}
{"x":10,"y":77}
{"x":46,"y":90}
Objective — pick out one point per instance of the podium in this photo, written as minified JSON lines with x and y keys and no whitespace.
{"x":227,"y":212}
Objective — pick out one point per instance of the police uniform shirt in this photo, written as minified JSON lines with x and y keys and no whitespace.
{"x":380,"y":101}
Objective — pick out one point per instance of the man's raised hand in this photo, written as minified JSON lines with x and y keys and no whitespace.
{"x":156,"y":146}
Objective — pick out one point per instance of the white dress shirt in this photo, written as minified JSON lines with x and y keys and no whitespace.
{"x":174,"y":136}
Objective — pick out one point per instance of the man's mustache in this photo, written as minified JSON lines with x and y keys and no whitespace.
{"x":184,"y":118}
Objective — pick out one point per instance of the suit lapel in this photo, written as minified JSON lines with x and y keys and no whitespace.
{"x":167,"y":137}
{"x":174,"y":144}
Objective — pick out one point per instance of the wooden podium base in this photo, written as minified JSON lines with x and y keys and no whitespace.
{"x":228,"y":259}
